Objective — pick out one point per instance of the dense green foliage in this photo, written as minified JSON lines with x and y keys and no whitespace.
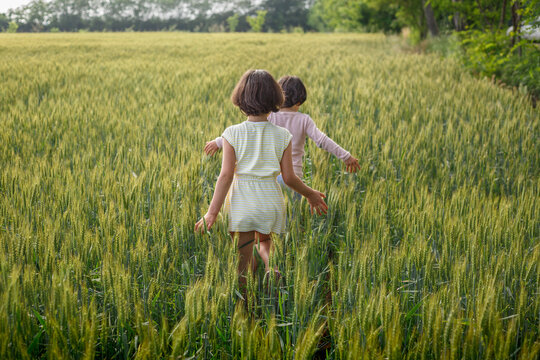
{"x":351,"y":15}
{"x":430,"y":251}
{"x":489,"y":54}
{"x":257,"y":22}
{"x":392,"y":15}
{"x":4,"y":22}
{"x":232,"y":22}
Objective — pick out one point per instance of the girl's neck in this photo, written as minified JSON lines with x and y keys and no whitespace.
{"x":258,"y":118}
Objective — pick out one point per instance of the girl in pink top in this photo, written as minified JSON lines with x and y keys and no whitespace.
{"x":299,"y":125}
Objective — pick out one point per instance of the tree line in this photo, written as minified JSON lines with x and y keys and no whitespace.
{"x":158,"y":15}
{"x":422,"y":17}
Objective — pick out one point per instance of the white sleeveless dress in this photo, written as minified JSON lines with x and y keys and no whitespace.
{"x":255,"y":201}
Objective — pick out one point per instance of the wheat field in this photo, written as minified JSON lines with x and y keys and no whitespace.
{"x":430,"y":251}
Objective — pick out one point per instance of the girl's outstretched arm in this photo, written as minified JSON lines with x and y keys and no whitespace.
{"x":222,"y":187}
{"x":314,"y":197}
{"x":324,"y":142}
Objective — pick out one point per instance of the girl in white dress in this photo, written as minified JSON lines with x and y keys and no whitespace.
{"x":254,"y":153}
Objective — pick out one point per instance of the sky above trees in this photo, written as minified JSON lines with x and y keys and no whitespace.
{"x":5,"y":5}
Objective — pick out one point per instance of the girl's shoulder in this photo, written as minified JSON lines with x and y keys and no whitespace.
{"x":306,"y":121}
{"x":232,"y":132}
{"x":306,"y":117}
{"x":229,"y":130}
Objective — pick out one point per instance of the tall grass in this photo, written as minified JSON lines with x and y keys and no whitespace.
{"x":430,"y":251}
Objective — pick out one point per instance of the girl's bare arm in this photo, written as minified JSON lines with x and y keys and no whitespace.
{"x":314,"y":197}
{"x":223,"y":184}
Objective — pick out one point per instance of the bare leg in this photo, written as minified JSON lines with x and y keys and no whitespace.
{"x":263,"y":244}
{"x":245,"y":248}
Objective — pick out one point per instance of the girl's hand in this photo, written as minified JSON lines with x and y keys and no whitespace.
{"x":209,"y":219}
{"x":351,"y":164}
{"x":317,"y":203}
{"x":211,"y":148}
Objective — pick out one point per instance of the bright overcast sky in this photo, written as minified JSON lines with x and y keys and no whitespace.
{"x":5,"y":5}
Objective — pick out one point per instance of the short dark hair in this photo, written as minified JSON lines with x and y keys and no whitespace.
{"x":294,"y":90}
{"x":257,"y":93}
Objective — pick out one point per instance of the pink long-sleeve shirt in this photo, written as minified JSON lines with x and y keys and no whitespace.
{"x":301,"y":125}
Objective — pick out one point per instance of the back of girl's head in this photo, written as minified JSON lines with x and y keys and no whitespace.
{"x":257,"y":93}
{"x":294,"y":90}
